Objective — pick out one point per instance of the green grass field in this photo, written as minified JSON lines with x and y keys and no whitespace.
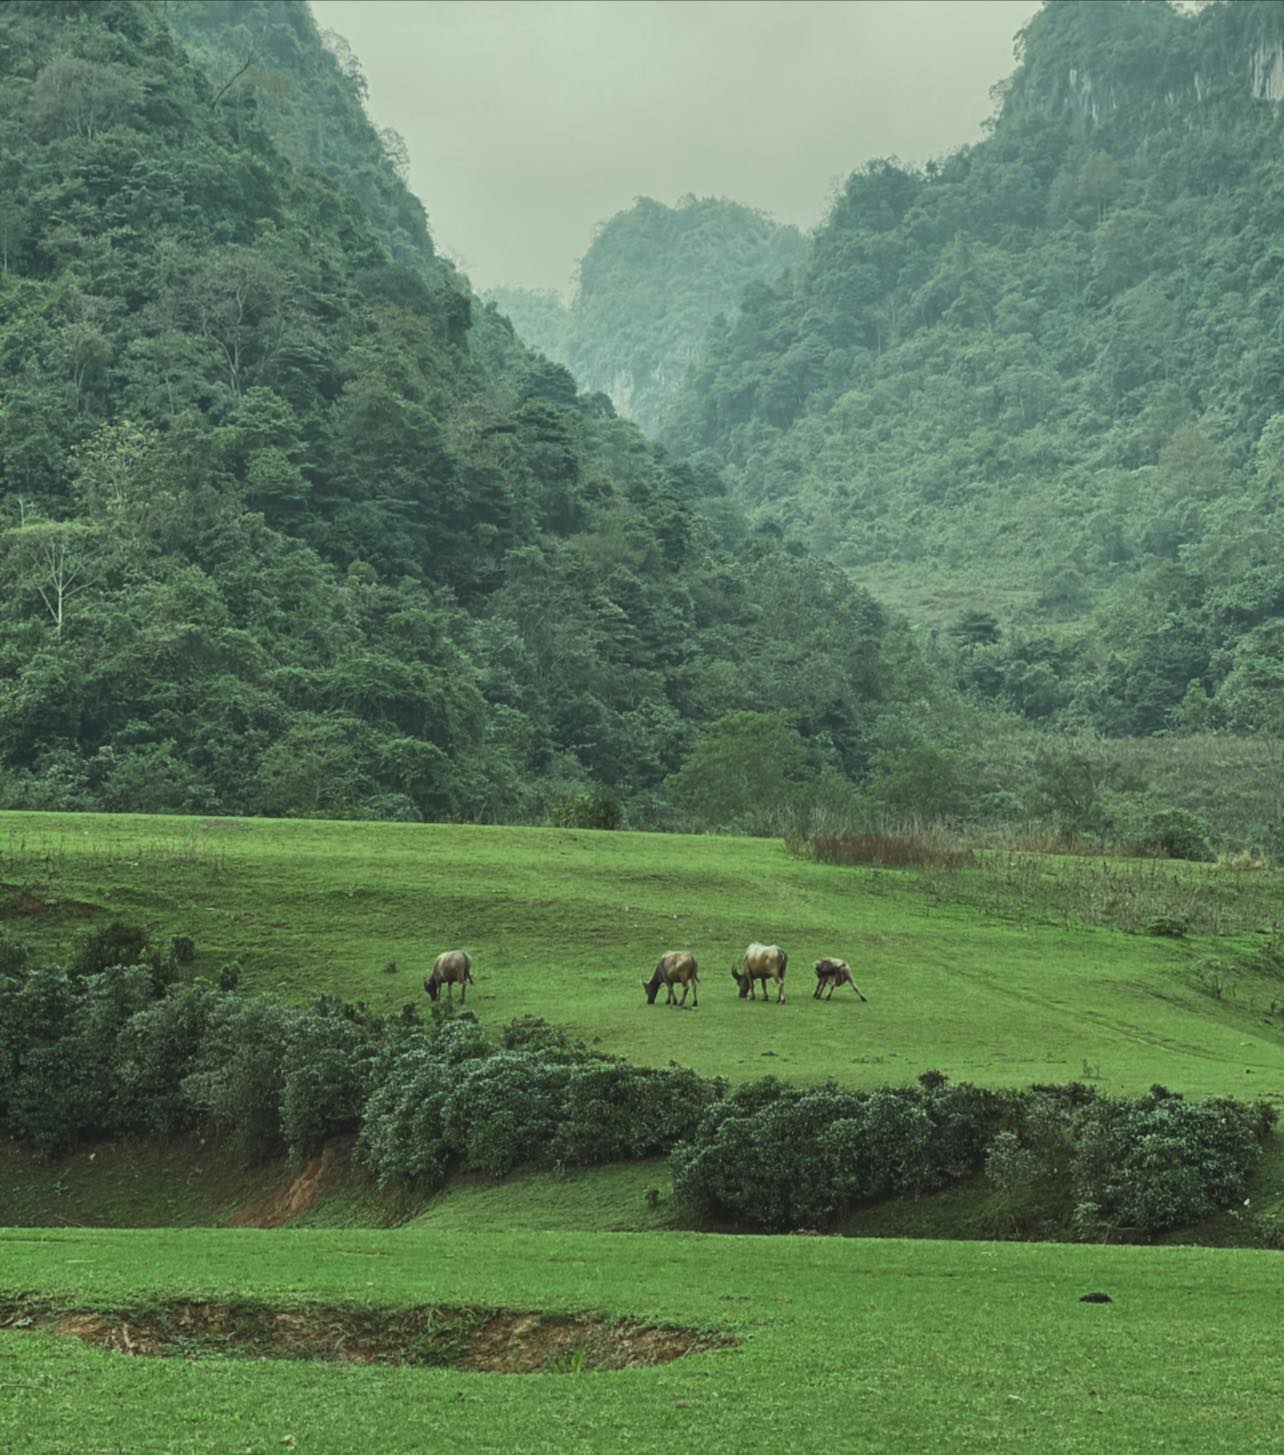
{"x":564,"y":924}
{"x":867,"y":1345}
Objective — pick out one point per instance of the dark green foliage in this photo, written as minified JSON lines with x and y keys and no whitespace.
{"x":118,"y":1053}
{"x":596,"y":809}
{"x":292,"y":525}
{"x":1173,"y":833}
{"x":1042,"y":377}
{"x":778,"y":1158}
{"x":1167,"y":926}
{"x":1147,"y":1165}
{"x":112,"y":944}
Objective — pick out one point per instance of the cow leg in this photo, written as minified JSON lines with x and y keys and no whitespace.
{"x":780,"y":992}
{"x":695,"y":994}
{"x":856,"y":988}
{"x":463,"y":991}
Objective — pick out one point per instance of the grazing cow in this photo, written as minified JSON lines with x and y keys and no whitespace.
{"x":678,"y":967}
{"x":451,"y":969}
{"x":833,"y":973}
{"x":765,"y":963}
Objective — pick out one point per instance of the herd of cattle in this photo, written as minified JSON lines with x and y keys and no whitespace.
{"x":759,"y":963}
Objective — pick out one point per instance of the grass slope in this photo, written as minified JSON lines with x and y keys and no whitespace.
{"x":850,"y":1345}
{"x":563,"y":924}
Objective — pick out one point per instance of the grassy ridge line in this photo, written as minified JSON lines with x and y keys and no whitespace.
{"x":865,"y":1345}
{"x":564,"y":923}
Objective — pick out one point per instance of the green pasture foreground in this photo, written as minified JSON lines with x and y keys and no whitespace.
{"x":563,"y":924}
{"x":888,"y":1346}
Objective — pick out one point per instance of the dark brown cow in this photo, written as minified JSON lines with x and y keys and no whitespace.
{"x":450,"y":969}
{"x":678,"y":967}
{"x":833,"y":973}
{"x":761,"y":962}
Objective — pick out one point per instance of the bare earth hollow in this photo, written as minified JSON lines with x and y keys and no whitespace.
{"x":487,"y":1341}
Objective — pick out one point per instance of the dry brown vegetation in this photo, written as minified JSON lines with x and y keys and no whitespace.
{"x":1040,"y":880}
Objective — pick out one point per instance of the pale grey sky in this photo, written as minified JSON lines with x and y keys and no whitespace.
{"x":530,"y":121}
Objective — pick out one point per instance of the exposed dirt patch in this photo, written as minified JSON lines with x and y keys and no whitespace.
{"x":299,"y":1195}
{"x":486,"y":1340}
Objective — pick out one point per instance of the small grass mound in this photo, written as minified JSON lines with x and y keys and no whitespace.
{"x":489,"y":1341}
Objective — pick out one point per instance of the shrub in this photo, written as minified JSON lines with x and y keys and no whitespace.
{"x":1167,"y":926}
{"x":239,"y":1072}
{"x":504,"y":1110}
{"x":402,"y":1131}
{"x":182,"y":949}
{"x":533,"y":1033}
{"x":328,"y":1056}
{"x":1161,"y":1162}
{"x":155,"y":1051}
{"x":58,"y":1081}
{"x":753,"y":1159}
{"x":112,"y":944}
{"x":15,"y":957}
{"x":595,"y":809}
{"x":615,"y":1111}
{"x":1174,"y":833}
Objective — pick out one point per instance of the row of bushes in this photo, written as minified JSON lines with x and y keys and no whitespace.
{"x":778,"y":1157}
{"x":88,"y":1052}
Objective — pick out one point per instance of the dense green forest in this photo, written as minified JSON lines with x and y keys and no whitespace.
{"x":650,"y":284}
{"x":291,"y":522}
{"x":1032,"y":393}
{"x":294,"y":525}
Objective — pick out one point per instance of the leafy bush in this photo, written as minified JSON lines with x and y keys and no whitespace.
{"x":1161,"y":1162}
{"x":111,"y":944}
{"x":1174,"y":833}
{"x":615,"y":1111}
{"x":595,"y":809}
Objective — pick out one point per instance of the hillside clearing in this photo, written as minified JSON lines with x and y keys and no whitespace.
{"x":563,"y":924}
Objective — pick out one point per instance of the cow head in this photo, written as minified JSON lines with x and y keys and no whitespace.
{"x":433,"y":986}
{"x":741,"y":977}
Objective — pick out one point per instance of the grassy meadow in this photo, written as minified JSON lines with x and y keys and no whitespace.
{"x":989,"y":979}
{"x":1006,"y":972}
{"x":873,"y":1345}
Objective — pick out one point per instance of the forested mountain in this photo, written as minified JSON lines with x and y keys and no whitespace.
{"x":1043,"y":379}
{"x":651,"y":282}
{"x":292,"y":525}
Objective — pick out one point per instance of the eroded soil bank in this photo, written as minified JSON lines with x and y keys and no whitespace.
{"x":486,"y":1340}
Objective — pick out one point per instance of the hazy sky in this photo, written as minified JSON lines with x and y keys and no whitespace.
{"x":530,"y":121}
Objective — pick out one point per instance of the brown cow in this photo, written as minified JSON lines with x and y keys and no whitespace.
{"x":833,"y":973}
{"x":450,"y":969}
{"x":765,"y":963}
{"x":678,"y":967}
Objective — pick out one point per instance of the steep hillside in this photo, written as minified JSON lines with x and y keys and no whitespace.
{"x":285,"y":530}
{"x":1041,"y":379}
{"x":651,"y":282}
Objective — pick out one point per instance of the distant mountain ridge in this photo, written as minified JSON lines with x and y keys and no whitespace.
{"x":653,"y":279}
{"x":1044,"y":377}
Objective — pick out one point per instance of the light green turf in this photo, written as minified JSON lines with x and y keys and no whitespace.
{"x":564,"y":924}
{"x":846,"y":1345}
